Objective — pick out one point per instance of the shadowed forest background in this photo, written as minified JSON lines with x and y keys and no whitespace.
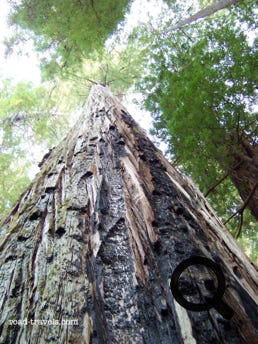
{"x":192,"y":66}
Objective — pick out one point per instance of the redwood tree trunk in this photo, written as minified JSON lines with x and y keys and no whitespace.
{"x":92,"y":244}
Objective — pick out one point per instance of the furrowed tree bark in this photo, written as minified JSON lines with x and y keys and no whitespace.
{"x":91,"y":245}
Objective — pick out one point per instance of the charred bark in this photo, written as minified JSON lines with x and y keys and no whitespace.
{"x":96,"y":237}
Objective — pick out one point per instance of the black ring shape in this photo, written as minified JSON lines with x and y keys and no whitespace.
{"x":210,"y":303}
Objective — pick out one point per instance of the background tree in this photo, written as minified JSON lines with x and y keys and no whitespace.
{"x":203,"y":13}
{"x":201,"y":89}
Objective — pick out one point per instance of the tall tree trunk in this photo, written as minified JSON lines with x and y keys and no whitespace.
{"x":244,"y":174}
{"x":92,"y":244}
{"x":205,"y":12}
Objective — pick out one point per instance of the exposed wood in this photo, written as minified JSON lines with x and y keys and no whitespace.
{"x":95,"y":239}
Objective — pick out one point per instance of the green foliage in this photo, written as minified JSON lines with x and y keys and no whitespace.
{"x":28,"y":117}
{"x":65,"y":31}
{"x":201,"y":93}
{"x":28,"y":112}
{"x":249,"y":241}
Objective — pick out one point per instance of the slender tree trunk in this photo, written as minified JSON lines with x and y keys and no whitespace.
{"x":92,"y":244}
{"x":205,"y":12}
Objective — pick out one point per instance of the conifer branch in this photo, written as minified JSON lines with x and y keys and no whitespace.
{"x":222,"y":178}
{"x":241,"y":209}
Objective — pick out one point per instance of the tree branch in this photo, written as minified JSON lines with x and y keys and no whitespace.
{"x":241,"y":209}
{"x":186,"y":35}
{"x":224,"y":176}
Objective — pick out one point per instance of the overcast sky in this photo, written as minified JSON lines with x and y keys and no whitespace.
{"x":18,"y":67}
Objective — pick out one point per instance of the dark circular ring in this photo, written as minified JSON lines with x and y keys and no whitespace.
{"x":210,"y":302}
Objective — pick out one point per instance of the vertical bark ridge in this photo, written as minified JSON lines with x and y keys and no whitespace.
{"x":97,"y":235}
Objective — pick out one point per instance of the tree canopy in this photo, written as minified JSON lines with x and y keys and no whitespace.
{"x":201,"y":93}
{"x":67,"y":31}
